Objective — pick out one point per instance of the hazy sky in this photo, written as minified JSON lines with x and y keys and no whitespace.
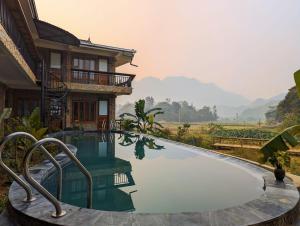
{"x":251,"y":47}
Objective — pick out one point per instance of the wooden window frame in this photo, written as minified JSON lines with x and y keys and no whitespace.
{"x":61,"y":59}
{"x":89,"y":113}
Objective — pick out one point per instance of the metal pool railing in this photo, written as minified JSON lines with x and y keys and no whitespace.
{"x":59,"y":211}
{"x":39,"y":145}
{"x":20,"y":181}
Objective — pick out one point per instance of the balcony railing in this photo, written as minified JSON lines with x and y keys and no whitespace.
{"x":8,"y":22}
{"x":101,"y":78}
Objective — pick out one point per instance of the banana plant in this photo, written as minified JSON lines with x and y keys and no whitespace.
{"x":280,"y":143}
{"x":275,"y":150}
{"x":140,"y":143}
{"x":143,"y":121}
{"x":5,"y":114}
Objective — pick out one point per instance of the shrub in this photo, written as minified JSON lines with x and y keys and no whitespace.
{"x":182,"y":131}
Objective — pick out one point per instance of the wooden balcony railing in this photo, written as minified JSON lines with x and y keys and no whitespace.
{"x":101,"y":78}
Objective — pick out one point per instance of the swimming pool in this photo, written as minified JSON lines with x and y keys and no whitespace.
{"x":136,"y":173}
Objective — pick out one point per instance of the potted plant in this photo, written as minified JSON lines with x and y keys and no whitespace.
{"x":275,"y":150}
{"x":279,"y":160}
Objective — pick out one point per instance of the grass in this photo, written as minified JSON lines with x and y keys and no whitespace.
{"x":203,"y":127}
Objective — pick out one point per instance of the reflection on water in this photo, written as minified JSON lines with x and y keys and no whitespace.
{"x":140,"y":174}
{"x":140,"y":143}
{"x":97,"y":154}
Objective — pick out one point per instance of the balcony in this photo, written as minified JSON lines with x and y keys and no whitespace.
{"x":96,"y":81}
{"x":101,"y":78}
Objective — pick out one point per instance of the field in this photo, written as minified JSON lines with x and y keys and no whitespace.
{"x":199,"y":134}
{"x":203,"y":127}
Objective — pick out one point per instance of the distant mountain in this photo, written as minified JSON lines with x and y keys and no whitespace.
{"x":183,"y":89}
{"x":229,"y":105}
{"x":252,"y":112}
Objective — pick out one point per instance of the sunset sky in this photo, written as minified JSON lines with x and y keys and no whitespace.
{"x":250,"y":47}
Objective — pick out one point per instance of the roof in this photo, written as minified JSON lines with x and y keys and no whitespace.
{"x":51,"y":32}
{"x":33,"y":9}
{"x":88,"y":43}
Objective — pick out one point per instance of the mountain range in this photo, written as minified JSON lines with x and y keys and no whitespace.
{"x":180,"y":88}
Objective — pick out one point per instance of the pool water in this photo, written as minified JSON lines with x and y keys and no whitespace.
{"x":139,"y":174}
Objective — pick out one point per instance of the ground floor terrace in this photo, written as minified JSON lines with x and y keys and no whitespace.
{"x":86,"y":111}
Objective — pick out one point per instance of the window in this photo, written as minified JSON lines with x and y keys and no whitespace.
{"x":92,"y":68}
{"x":55,"y":60}
{"x":83,"y":64}
{"x":103,"y":107}
{"x":103,"y":65}
{"x":83,"y":111}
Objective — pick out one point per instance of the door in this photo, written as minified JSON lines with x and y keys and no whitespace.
{"x":103,"y":117}
{"x":103,"y":66}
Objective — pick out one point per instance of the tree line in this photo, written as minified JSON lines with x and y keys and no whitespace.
{"x":176,"y":111}
{"x":287,"y":112}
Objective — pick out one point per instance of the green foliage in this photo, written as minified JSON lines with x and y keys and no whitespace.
{"x":280,"y":143}
{"x":243,"y":133}
{"x":140,"y":143}
{"x":165,"y":133}
{"x":5,"y":114}
{"x":182,"y":131}
{"x":143,"y":121}
{"x":290,"y":119}
{"x":3,"y":202}
{"x":127,"y":124}
{"x":176,"y":111}
{"x":280,"y":159}
{"x":297,"y":81}
{"x":212,"y":127}
{"x":30,"y":124}
{"x":290,"y":105}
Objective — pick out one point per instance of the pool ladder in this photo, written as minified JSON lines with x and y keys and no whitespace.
{"x":59,"y":212}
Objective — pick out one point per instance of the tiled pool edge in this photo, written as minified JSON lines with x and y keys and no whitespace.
{"x":276,"y":207}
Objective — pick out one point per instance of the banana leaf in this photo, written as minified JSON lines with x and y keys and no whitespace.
{"x":281,"y":141}
{"x":5,"y":114}
{"x":297,"y":81}
{"x":153,"y":109}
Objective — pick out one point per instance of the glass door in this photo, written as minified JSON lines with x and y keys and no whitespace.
{"x":103,"y":67}
{"x":103,"y":115}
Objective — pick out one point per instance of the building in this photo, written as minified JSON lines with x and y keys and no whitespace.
{"x":73,"y":81}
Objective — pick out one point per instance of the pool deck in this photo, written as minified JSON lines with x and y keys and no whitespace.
{"x":277,"y":206}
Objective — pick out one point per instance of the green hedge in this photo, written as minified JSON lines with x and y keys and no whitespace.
{"x":244,"y":133}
